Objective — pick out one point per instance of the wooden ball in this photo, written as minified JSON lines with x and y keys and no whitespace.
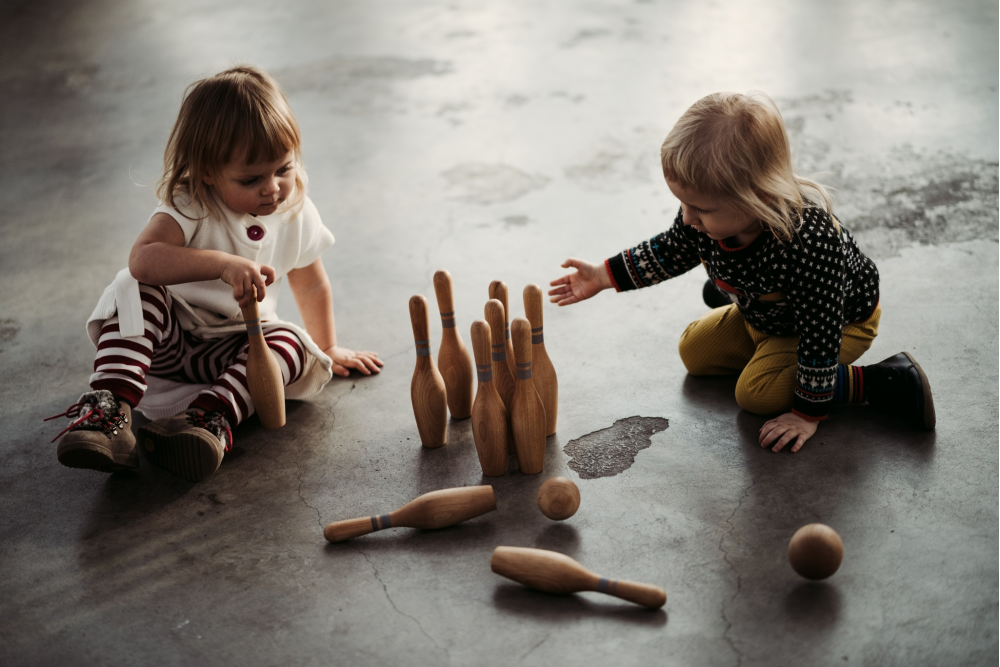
{"x":558,"y":498}
{"x":815,"y":551}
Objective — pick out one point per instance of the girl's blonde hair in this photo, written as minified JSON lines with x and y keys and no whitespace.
{"x":735,"y":148}
{"x":239,"y":114}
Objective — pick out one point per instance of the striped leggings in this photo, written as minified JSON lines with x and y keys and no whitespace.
{"x":167,"y":351}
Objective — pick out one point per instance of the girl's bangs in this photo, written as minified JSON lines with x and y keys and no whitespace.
{"x":266,"y":140}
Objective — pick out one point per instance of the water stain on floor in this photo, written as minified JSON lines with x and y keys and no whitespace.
{"x":612,"y":450}
{"x":8,"y":332}
{"x":478,"y":183}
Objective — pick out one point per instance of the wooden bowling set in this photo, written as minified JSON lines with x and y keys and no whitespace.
{"x":517,"y":398}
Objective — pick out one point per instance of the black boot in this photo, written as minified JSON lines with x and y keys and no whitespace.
{"x":713,"y":296}
{"x":899,"y":387}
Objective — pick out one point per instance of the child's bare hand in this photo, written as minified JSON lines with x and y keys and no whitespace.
{"x":787,"y":428}
{"x":585,"y":282}
{"x":243,"y":275}
{"x":344,"y":360}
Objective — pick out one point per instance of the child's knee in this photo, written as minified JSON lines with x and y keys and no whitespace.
{"x":694,"y":353}
{"x":761,"y":397}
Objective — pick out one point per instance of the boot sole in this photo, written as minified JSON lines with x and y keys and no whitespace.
{"x":91,"y":456}
{"x":929,"y":416}
{"x":185,"y":454}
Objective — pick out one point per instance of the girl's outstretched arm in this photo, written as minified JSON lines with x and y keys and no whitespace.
{"x":787,"y":428}
{"x":585,"y":282}
{"x":311,"y":288}
{"x":159,"y":257}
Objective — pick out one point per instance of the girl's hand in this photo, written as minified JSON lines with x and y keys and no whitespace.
{"x":785,"y":429}
{"x":245,"y":274}
{"x":344,"y":360}
{"x":588,"y":280}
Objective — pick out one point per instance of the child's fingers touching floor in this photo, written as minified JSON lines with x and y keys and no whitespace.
{"x":344,"y":360}
{"x":784,"y":429}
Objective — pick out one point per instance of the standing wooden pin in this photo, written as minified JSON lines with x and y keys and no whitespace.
{"x":498,"y":291}
{"x":453,"y":357}
{"x":264,"y":380}
{"x":557,"y":573}
{"x":489,"y":416}
{"x":502,"y":375}
{"x":436,"y":509}
{"x":544,"y":375}
{"x":527,"y":414}
{"x":430,"y":404}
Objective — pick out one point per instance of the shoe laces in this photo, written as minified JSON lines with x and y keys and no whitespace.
{"x":109,"y":424}
{"x":210,"y":421}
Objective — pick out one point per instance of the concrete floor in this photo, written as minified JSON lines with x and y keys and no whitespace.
{"x":494,"y":140}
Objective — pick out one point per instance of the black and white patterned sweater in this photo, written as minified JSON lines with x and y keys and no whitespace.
{"x":811,"y":287}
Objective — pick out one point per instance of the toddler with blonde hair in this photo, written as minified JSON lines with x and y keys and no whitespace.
{"x":233,"y":222}
{"x":794,"y":300}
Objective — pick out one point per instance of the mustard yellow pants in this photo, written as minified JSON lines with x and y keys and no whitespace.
{"x":722,"y":343}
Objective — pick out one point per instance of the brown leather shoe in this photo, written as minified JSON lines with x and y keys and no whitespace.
{"x":190,"y":444}
{"x":101,"y":437}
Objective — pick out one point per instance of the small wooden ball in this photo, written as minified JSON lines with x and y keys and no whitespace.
{"x":558,"y":498}
{"x":815,"y":551}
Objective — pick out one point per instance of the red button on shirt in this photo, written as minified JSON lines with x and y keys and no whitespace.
{"x":255,"y":233}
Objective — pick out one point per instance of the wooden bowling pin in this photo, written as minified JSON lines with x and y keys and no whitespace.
{"x":502,"y":375}
{"x":556,"y":573}
{"x":264,"y":380}
{"x":427,"y":392}
{"x":453,"y":358}
{"x":527,"y":414}
{"x":436,"y":509}
{"x":498,"y":291}
{"x":543,"y":374}
{"x":489,"y":416}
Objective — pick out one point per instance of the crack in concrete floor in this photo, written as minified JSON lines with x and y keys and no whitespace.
{"x":333,"y":417}
{"x":739,"y":576}
{"x":399,"y":611}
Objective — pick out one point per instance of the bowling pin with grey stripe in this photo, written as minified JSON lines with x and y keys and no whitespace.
{"x":489,"y":416}
{"x":453,"y":357}
{"x":427,"y":392}
{"x":544,"y":375}
{"x":498,"y":291}
{"x":527,"y":413}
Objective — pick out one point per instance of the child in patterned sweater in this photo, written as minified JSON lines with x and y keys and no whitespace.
{"x":794,"y":301}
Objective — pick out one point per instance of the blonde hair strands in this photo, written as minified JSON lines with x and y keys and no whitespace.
{"x":237,"y":114}
{"x":735,"y":147}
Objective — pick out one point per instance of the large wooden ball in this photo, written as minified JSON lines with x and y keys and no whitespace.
{"x":558,"y":498}
{"x":815,"y":551}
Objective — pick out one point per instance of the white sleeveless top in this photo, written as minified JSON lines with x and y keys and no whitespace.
{"x":284,"y":240}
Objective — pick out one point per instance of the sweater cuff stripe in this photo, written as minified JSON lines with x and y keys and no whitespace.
{"x":611,"y":275}
{"x":619,"y":273}
{"x":811,"y":418}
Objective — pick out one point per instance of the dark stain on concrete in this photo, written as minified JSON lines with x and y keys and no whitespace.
{"x":938,"y":198}
{"x":584,"y":35}
{"x":479,"y":183}
{"x":8,"y":332}
{"x":338,"y":72}
{"x":361,"y":85}
{"x":212,"y":498}
{"x":612,"y":450}
{"x":892,"y":199}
